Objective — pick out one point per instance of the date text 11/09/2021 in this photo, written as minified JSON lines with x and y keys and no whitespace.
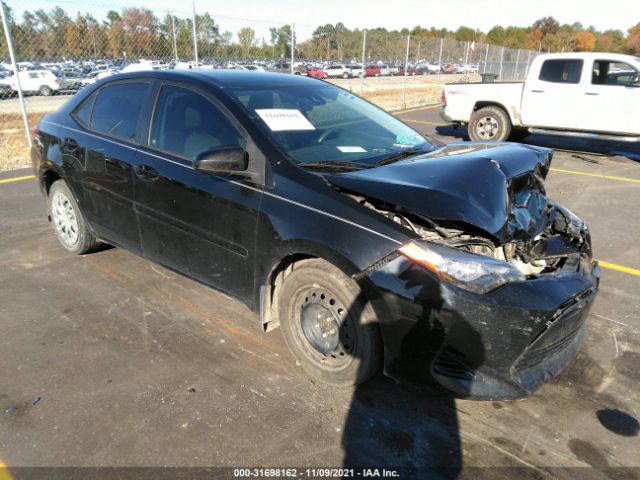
{"x":315,"y":473}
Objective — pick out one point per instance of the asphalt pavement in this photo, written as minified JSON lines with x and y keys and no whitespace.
{"x":110,"y":360}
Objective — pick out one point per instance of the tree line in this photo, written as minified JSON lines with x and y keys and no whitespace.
{"x":138,"y":33}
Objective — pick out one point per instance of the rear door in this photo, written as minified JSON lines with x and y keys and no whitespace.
{"x":551,"y":99}
{"x":611,"y":98}
{"x":201,"y":224}
{"x":100,"y":138}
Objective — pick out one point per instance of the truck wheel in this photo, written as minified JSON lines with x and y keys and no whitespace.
{"x":489,"y":124}
{"x":45,"y":91}
{"x":345,"y":75}
{"x":328,"y":325}
{"x":71,"y":228}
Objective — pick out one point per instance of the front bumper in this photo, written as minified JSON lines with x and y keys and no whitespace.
{"x":501,"y":345}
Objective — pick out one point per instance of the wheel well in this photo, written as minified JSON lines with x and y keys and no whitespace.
{"x":269,"y":308}
{"x":47,"y":180}
{"x":480,"y":105}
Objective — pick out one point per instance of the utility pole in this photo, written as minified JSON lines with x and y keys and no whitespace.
{"x":364,"y":50}
{"x":293,"y":45}
{"x":175,"y":42}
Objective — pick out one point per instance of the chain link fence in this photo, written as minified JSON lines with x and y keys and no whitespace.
{"x":59,"y":47}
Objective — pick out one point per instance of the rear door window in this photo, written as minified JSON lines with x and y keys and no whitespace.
{"x":610,"y":72}
{"x":117,"y":109}
{"x":561,"y":71}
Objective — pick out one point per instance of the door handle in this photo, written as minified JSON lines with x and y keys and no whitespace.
{"x":145,"y":172}
{"x":592,"y":93}
{"x":537,"y":91}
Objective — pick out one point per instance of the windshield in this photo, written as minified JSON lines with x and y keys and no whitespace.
{"x":323,"y":123}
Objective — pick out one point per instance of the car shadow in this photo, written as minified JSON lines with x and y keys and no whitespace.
{"x":411,"y":425}
{"x":592,"y":147}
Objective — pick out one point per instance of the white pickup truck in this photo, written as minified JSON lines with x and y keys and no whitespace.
{"x":575,"y":94}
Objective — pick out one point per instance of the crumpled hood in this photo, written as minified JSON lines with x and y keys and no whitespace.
{"x":497,"y":188}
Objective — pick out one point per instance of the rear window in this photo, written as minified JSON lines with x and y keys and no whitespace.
{"x":561,"y":71}
{"x":117,"y":109}
{"x":83,"y":112}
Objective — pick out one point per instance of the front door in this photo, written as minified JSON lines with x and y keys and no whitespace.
{"x":551,"y":100}
{"x":197,"y":223}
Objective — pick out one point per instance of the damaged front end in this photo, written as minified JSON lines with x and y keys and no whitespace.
{"x":489,"y":300}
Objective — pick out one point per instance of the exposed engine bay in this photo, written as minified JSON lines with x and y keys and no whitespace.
{"x":565,"y":237}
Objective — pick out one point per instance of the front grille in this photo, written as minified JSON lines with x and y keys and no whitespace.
{"x":537,"y":355}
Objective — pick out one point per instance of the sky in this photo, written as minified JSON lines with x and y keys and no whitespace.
{"x":396,"y":14}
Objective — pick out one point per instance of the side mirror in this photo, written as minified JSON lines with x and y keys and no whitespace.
{"x":224,"y":160}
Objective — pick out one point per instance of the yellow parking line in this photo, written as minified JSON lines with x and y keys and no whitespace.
{"x":417,"y":109}
{"x":4,"y":472}
{"x":619,"y":268}
{"x":608,"y":177}
{"x":411,"y":120}
{"x":17,"y":179}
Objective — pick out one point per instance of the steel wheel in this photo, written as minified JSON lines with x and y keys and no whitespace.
{"x":329,"y":332}
{"x":487,"y":128}
{"x":328,"y":324}
{"x":64,"y":219}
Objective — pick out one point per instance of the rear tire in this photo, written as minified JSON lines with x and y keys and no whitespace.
{"x":71,"y":228}
{"x":489,"y":124}
{"x":45,"y":91}
{"x":329,"y":326}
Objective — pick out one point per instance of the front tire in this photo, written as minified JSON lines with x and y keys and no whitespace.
{"x":45,"y":91}
{"x":71,"y":228}
{"x":489,"y":124}
{"x":328,"y":324}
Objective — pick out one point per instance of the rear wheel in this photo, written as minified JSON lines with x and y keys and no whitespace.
{"x":71,"y":228}
{"x":328,"y":324}
{"x":45,"y":91}
{"x":489,"y":124}
{"x":345,"y":75}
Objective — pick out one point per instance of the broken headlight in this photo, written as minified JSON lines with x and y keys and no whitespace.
{"x":469,"y":271}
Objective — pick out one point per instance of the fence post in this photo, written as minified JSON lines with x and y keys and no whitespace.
{"x":486,"y":59}
{"x":364,"y":52}
{"x":406,"y":67}
{"x":440,"y":54}
{"x":501,"y":59}
{"x":293,"y":45}
{"x":195,"y":37}
{"x":175,"y":42}
{"x":515,"y":71}
{"x":12,"y":55}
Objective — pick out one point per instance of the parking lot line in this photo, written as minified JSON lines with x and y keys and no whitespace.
{"x":417,"y":109}
{"x":17,"y":179}
{"x":597,"y":175}
{"x":411,"y":120}
{"x":619,"y":268}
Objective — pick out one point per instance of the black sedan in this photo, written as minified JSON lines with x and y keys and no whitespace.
{"x":366,"y":243}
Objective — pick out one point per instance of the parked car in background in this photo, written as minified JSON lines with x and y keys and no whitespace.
{"x":316,"y":73}
{"x":70,"y":81}
{"x":43,"y":82}
{"x":337,"y":71}
{"x":577,"y":94}
{"x":449,"y":68}
{"x":372,"y":71}
{"x":385,"y":70}
{"x":370,"y":247}
{"x":355,"y":69}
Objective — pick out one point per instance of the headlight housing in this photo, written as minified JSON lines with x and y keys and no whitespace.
{"x":469,"y":271}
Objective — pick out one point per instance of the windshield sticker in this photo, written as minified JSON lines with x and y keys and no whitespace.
{"x":406,"y":141}
{"x":352,"y":149}
{"x":281,"y":119}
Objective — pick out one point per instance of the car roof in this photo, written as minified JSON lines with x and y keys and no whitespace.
{"x":223,"y":78}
